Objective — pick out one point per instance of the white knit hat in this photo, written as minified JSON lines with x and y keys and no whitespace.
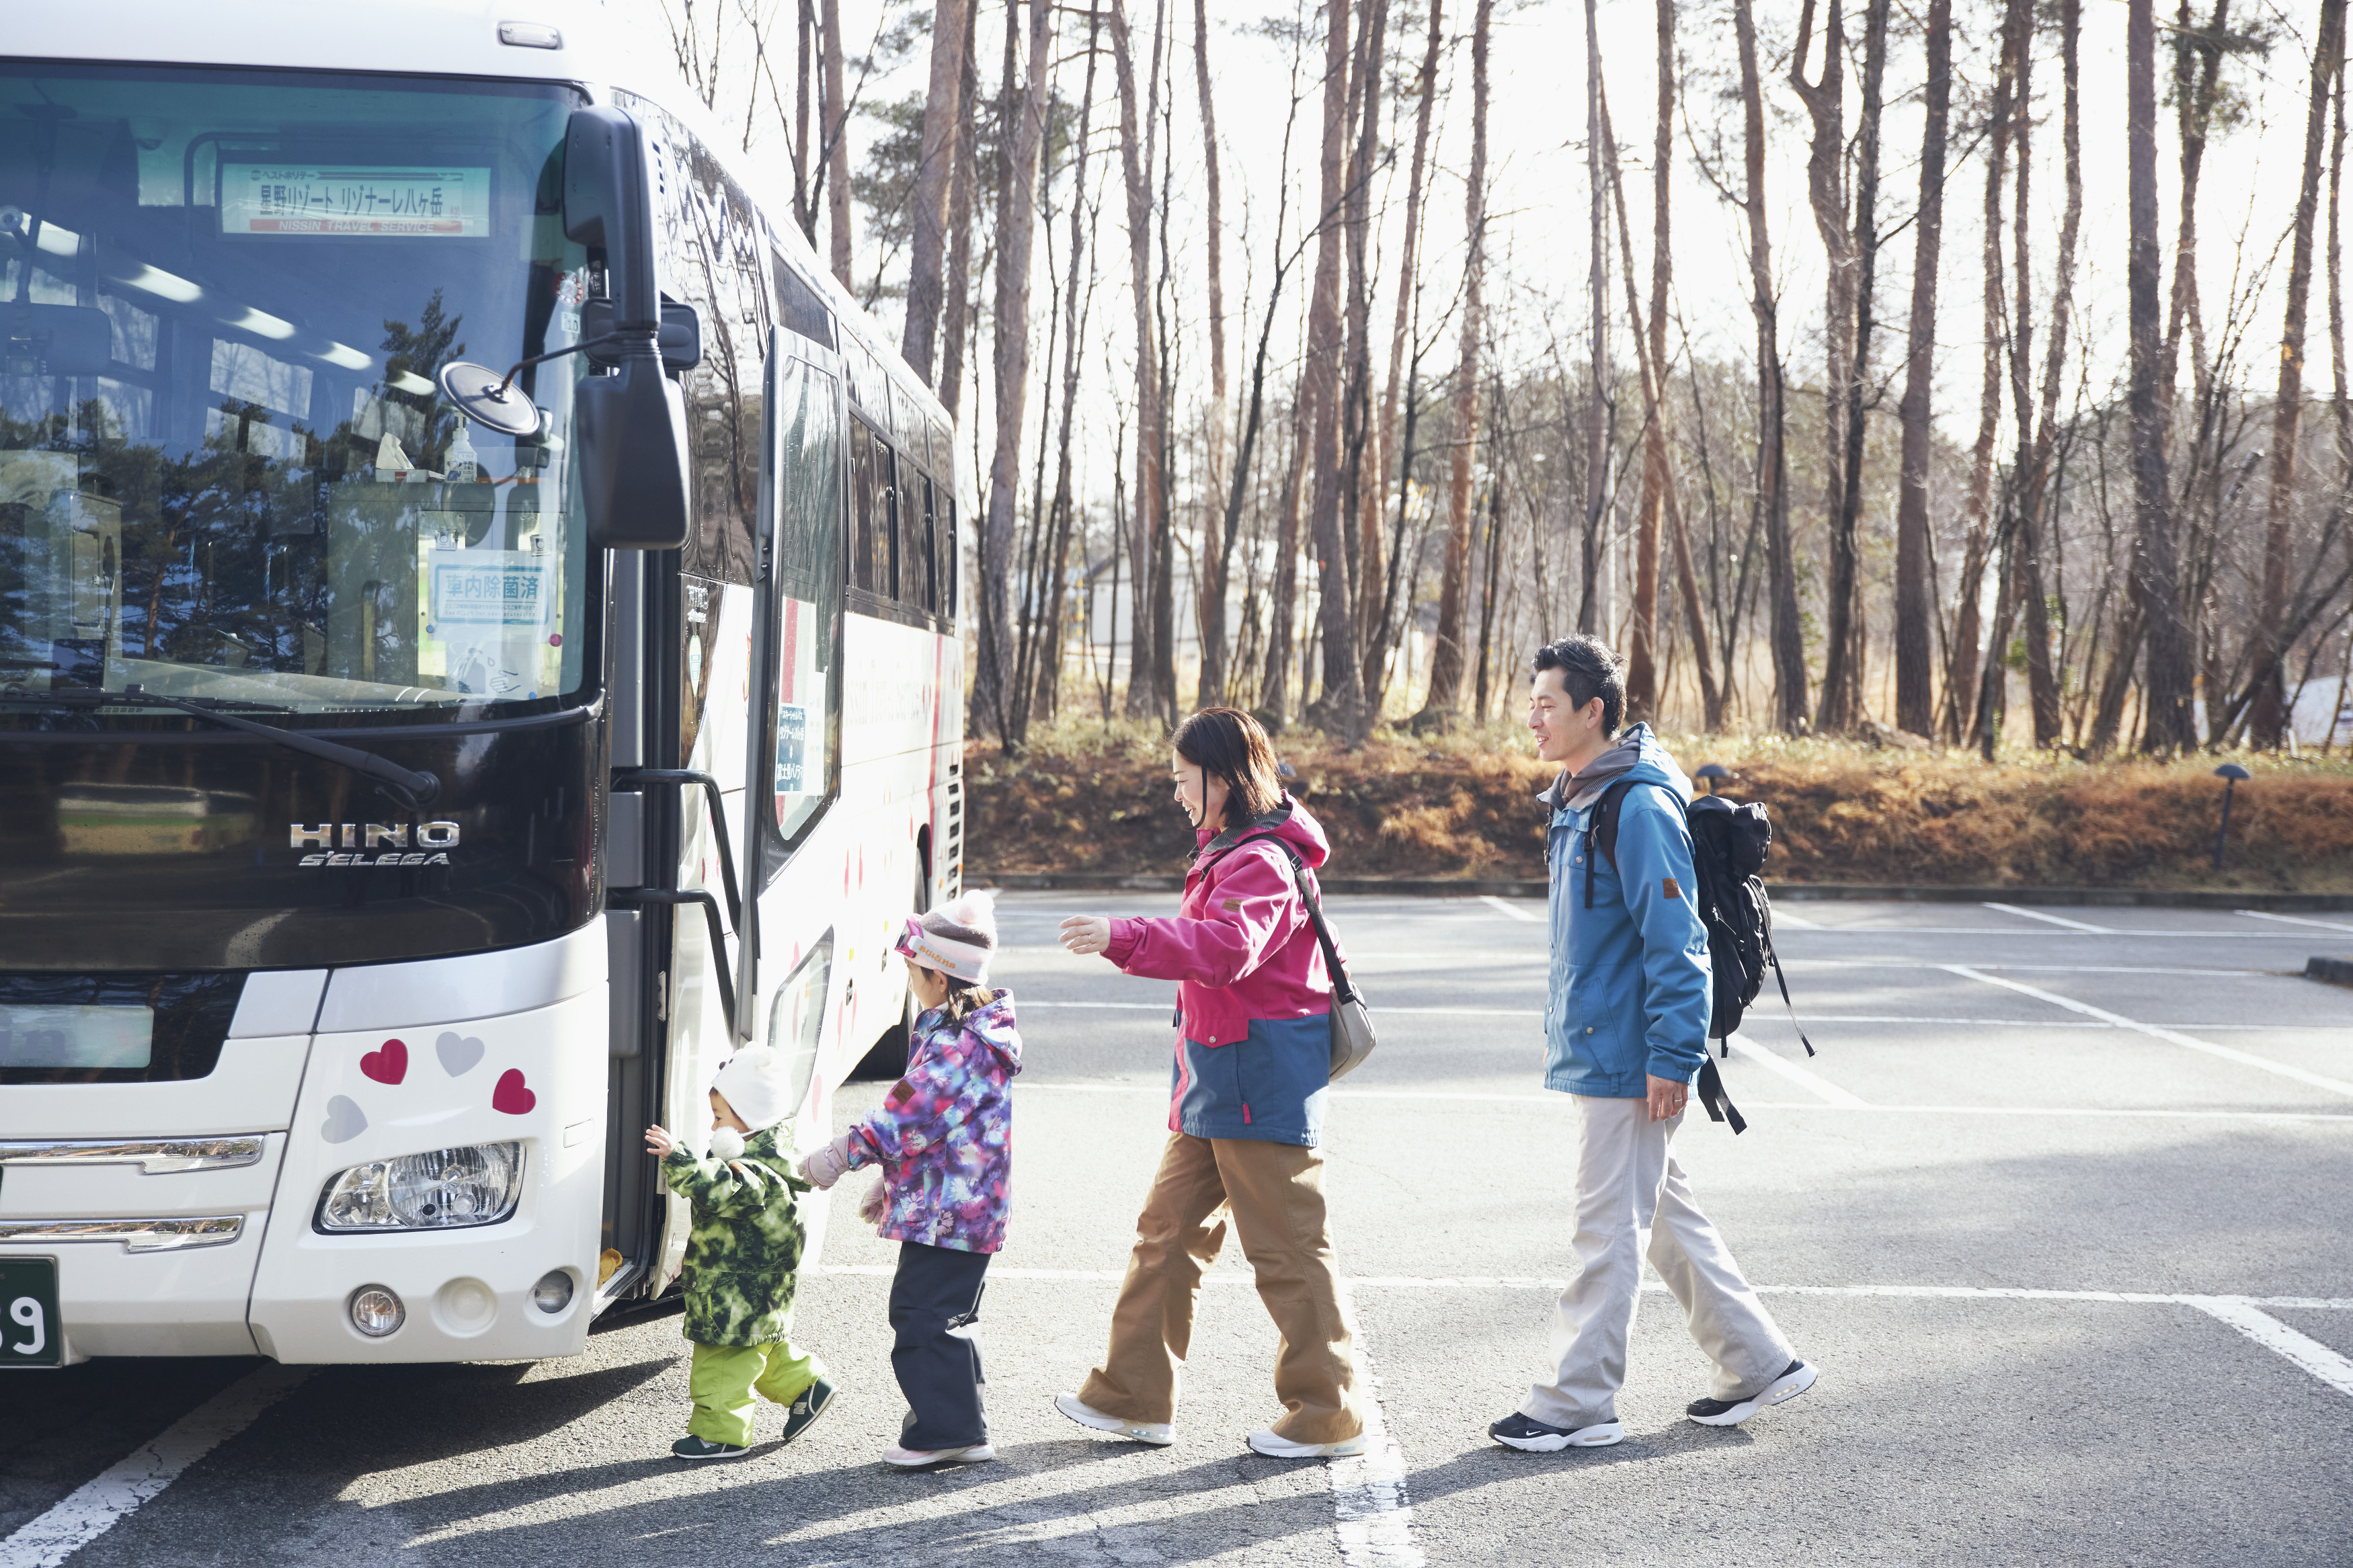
{"x":956,"y":939}
{"x":752,"y":1083}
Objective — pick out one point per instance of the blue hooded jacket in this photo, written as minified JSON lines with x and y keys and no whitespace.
{"x":1630,"y":988}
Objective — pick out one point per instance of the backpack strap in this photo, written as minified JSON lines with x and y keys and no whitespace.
{"x":1602,"y":831}
{"x":1712,"y":1095}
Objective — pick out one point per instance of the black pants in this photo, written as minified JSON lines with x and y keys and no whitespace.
{"x":937,"y":1290}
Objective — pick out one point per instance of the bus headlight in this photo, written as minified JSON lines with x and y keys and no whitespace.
{"x":479,"y":1183}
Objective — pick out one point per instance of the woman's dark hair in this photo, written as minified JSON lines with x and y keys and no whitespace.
{"x":1227,"y":744}
{"x":1588,"y":670}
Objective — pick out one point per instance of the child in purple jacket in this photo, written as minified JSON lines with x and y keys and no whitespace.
{"x":943,"y":1139}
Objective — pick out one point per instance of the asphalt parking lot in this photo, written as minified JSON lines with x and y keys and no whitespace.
{"x":2062,"y":1210}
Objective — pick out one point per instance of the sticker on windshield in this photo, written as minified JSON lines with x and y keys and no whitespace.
{"x":503,"y":589}
{"x":351,"y":199}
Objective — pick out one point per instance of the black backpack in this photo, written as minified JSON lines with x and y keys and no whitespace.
{"x":1729,"y":842}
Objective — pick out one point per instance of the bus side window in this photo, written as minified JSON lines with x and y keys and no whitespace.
{"x":927,"y":573}
{"x":806,"y":632}
{"x":951,"y":558}
{"x":887,"y":554}
{"x":865,"y":487}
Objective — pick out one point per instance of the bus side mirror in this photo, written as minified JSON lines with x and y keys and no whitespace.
{"x":632,"y":422}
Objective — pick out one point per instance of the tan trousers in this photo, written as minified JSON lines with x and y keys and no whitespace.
{"x":1275,"y":1192}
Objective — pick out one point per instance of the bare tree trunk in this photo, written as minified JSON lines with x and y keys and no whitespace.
{"x":1319,"y":378}
{"x":1215,"y":557}
{"x":955,"y":313}
{"x":1825,"y":101}
{"x":1961,"y":685}
{"x":2267,"y":724}
{"x":1385,"y":432}
{"x":1915,"y":605}
{"x":836,"y":115}
{"x":1445,"y":697}
{"x":943,"y":111}
{"x":804,"y":66}
{"x":1597,"y":435}
{"x":1016,"y":215}
{"x":1650,"y":349}
{"x":2167,"y":726}
{"x":1274,"y":694}
{"x":1360,"y":510}
{"x":1842,"y":676}
{"x":1642,"y":669}
{"x":1790,"y":693}
{"x":1077,"y":308}
{"x":1149,"y":521}
{"x":2034,"y":463}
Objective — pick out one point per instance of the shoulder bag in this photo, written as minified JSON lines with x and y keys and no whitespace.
{"x":1352,"y":1021}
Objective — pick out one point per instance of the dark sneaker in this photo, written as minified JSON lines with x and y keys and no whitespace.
{"x":1533,"y":1436}
{"x":802,"y":1413}
{"x":1795,"y":1379}
{"x":698,"y":1448}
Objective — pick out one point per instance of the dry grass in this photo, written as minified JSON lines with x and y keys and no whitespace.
{"x":1089,"y":797}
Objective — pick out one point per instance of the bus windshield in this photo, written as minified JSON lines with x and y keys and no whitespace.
{"x":226,"y":472}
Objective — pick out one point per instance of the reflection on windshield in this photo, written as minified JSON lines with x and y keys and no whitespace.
{"x":225,"y":471}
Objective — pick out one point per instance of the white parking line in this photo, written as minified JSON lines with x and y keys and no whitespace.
{"x":2155,"y":1031}
{"x":2273,"y":1335}
{"x":98,"y":1506}
{"x":2295,"y":920}
{"x":1810,"y":1081}
{"x":2247,"y":1314}
{"x":1513,"y":911}
{"x":2055,"y":919}
{"x":1373,"y":1522}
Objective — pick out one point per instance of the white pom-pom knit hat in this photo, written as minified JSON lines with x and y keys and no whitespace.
{"x":956,"y":939}
{"x":753,"y":1084}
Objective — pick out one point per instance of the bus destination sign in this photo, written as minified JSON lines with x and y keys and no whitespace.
{"x":283,"y":199}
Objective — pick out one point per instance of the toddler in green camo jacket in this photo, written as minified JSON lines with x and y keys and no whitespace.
{"x":742,"y":1257}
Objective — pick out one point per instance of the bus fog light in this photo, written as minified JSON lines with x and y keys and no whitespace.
{"x":553,"y":1291}
{"x":376,"y":1312}
{"x":478,"y":1183}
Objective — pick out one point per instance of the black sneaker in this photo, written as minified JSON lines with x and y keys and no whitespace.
{"x":802,"y":1413}
{"x":1795,"y":1379}
{"x":698,"y":1448}
{"x":1533,"y":1436}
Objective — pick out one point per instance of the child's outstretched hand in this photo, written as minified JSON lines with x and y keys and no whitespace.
{"x":877,"y":1201}
{"x":659,"y":1143}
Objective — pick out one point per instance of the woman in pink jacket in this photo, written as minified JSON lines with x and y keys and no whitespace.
{"x":1248,"y":1084}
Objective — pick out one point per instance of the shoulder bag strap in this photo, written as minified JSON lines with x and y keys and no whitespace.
{"x":1342,"y":988}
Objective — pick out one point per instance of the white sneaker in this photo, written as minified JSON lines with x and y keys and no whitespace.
{"x":1159,"y":1434}
{"x":918,"y":1459}
{"x":1264,"y":1441}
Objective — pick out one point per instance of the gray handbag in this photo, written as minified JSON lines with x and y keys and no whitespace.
{"x":1352,"y":1022}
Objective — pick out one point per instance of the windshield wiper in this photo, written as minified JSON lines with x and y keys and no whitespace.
{"x":410,"y":788}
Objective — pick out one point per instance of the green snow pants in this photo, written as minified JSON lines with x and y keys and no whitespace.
{"x":725,"y":1377}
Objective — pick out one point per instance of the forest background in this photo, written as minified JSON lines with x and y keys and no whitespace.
{"x":1929,"y":400}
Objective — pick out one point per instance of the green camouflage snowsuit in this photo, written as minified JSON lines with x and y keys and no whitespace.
{"x":741,"y":1255}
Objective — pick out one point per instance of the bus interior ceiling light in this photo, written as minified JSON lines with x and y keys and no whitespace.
{"x":375,"y":1310}
{"x":446,"y":1189}
{"x":346,"y":356}
{"x":166,"y":286}
{"x":261,"y":323}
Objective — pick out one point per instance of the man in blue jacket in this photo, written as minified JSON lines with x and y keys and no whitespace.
{"x":1625,"y":1031}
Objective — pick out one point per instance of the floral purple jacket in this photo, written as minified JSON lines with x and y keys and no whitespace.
{"x":943,"y":1135}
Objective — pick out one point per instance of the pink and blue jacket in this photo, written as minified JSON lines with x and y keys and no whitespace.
{"x":943,"y":1135}
{"x":1253,"y":1004}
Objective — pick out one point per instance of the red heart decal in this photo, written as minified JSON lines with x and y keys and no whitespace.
{"x":388,"y":1063}
{"x":511,"y":1096}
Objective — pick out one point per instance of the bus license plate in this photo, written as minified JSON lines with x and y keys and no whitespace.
{"x":29,"y":1330}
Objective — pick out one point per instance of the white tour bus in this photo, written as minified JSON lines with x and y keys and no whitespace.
{"x":419,"y":774}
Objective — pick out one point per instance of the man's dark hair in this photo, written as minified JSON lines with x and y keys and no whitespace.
{"x":1588,"y":670}
{"x":1227,"y":744}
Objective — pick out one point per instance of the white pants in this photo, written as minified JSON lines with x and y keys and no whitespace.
{"x":1633,"y":1201}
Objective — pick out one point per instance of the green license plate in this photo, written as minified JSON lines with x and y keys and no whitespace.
{"x":31,"y":1334}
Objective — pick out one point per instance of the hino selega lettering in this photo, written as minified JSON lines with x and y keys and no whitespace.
{"x":385,"y":844}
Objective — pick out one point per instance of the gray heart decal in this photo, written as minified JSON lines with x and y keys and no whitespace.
{"x":457,"y":1054}
{"x":345,"y":1121}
